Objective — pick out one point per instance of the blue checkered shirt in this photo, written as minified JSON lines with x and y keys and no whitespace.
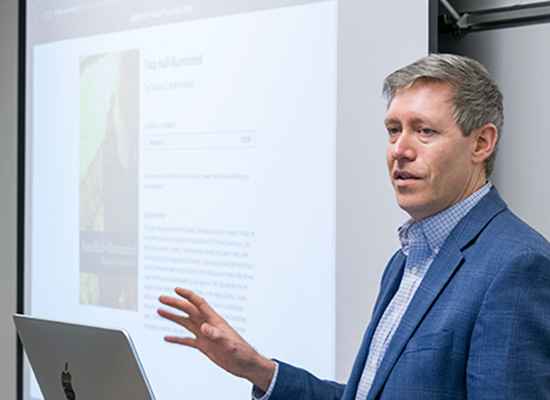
{"x":420,"y":242}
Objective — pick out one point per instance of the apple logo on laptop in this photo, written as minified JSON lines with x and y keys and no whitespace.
{"x":66,"y":381}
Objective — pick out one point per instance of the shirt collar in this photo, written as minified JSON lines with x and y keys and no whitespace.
{"x":438,"y":227}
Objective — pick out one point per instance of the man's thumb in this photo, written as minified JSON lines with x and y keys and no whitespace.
{"x":210,"y":332}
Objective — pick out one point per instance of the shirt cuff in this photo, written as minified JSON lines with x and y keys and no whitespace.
{"x":258,"y":394}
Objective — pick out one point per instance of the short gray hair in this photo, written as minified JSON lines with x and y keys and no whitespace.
{"x":477,"y":98}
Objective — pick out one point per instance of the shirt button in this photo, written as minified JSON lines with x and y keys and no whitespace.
{"x":373,"y":363}
{"x":414,"y":270}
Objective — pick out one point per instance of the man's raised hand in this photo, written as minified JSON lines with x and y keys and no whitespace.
{"x":216,"y":338}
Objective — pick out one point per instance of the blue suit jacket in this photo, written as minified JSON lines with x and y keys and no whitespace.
{"x":478,"y":326}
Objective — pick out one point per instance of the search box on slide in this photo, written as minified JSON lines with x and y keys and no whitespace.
{"x":201,"y":140}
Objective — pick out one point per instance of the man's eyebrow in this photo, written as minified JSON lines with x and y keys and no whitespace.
{"x":414,"y":121}
{"x":421,"y":121}
{"x":388,"y":121}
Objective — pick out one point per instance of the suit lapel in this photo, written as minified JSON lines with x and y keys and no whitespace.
{"x":432,"y":284}
{"x":440,"y":272}
{"x":390,"y":284}
{"x":397,"y":266}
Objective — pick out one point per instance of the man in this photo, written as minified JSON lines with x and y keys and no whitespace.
{"x":464,"y":306}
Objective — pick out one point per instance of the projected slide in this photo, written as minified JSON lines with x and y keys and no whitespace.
{"x":185,"y":146}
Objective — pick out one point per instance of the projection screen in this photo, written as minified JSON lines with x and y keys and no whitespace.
{"x":190,"y":144}
{"x":235,"y":148}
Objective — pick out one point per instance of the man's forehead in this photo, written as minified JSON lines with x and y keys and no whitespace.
{"x":423,"y":99}
{"x":443,"y":91}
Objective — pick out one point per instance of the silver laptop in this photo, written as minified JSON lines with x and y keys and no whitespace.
{"x":82,"y":362}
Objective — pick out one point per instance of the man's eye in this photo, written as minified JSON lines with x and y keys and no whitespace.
{"x":393,"y":131}
{"x":426,"y":131}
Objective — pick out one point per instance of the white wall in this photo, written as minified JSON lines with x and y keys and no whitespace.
{"x":375,"y":38}
{"x":518,"y":58}
{"x":8,"y":186}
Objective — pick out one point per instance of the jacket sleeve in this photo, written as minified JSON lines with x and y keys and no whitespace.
{"x":298,"y":384}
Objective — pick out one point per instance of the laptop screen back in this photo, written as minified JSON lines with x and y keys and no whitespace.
{"x":82,"y":361}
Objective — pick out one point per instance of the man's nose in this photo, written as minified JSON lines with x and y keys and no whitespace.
{"x":403,"y":147}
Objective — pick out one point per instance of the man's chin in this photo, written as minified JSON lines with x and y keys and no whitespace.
{"x":414,"y":207}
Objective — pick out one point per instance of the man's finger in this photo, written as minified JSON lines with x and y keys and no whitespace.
{"x":182,"y":305}
{"x":186,"y":341}
{"x":197,"y":301}
{"x":186,"y":322}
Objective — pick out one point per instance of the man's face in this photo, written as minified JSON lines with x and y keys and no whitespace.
{"x":429,"y":159}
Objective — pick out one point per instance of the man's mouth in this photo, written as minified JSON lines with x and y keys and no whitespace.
{"x":404,"y":175}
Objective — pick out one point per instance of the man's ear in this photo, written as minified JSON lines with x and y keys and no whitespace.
{"x":485,"y":142}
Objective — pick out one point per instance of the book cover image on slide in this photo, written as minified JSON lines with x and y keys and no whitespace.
{"x":109,"y":127}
